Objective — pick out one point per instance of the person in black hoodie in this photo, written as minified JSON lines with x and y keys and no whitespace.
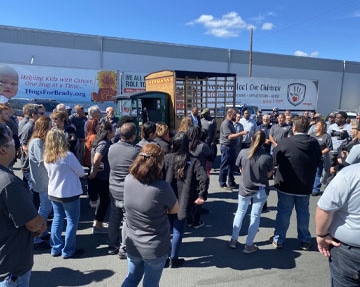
{"x":297,"y":158}
{"x":189,"y":181}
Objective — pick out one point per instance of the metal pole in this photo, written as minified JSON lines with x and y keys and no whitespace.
{"x":342,"y":85}
{"x":250,"y":54}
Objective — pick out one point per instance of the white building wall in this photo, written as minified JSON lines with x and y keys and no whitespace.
{"x":337,"y":89}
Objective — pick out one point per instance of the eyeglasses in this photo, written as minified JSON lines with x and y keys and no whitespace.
{"x":41,"y":113}
{"x":338,"y":117}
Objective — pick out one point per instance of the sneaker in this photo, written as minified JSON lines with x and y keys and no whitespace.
{"x":250,"y":249}
{"x":315,"y":193}
{"x":99,"y":230}
{"x":276,"y":244}
{"x":234,"y":185}
{"x":43,"y":245}
{"x":113,"y":250}
{"x":198,"y":225}
{"x":175,"y":263}
{"x":226,"y":187}
{"x":305,"y":246}
{"x":122,"y":255}
{"x":232,"y":243}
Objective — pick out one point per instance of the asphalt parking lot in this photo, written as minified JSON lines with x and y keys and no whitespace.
{"x":209,"y":260}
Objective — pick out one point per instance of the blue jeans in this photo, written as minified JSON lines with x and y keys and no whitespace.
{"x":317,"y":182}
{"x":150,"y":268}
{"x":227,"y":165}
{"x":72,"y":212}
{"x":177,"y":227}
{"x":344,"y":266}
{"x":286,"y":203}
{"x":258,"y":202}
{"x":44,"y":211}
{"x":21,"y":281}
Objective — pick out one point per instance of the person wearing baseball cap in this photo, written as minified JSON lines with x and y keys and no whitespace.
{"x":316,"y":118}
{"x":330,"y":119}
{"x":274,"y":116}
{"x":208,"y":123}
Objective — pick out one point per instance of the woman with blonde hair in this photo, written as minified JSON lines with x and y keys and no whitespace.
{"x":147,"y":199}
{"x":256,"y":166}
{"x":64,"y":191}
{"x":162,"y":136}
{"x":39,"y":175}
{"x":184,"y":124}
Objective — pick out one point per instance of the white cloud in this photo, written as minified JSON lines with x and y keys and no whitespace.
{"x":230,"y":24}
{"x":313,"y":54}
{"x":267,"y":26}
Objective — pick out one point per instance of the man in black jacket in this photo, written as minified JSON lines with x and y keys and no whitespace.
{"x":297,"y":158}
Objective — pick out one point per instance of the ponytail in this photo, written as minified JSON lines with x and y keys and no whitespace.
{"x":258,"y":139}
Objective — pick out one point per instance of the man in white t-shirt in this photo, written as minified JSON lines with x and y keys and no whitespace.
{"x":338,"y":227}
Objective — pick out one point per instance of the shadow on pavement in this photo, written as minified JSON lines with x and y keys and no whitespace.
{"x":68,"y":277}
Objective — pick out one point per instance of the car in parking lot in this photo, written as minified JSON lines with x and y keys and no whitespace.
{"x":18,"y":103}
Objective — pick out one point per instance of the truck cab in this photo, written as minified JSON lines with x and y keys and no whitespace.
{"x":143,"y":106}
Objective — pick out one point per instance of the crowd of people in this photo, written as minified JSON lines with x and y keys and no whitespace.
{"x":304,"y":152}
{"x":155,"y":186}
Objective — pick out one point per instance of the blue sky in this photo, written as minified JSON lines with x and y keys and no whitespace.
{"x":323,"y":29}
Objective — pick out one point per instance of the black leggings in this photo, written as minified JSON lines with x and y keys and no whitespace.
{"x":98,"y":188}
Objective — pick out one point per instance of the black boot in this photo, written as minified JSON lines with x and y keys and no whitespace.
{"x":175,"y":263}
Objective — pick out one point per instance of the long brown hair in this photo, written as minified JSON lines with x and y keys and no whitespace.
{"x":90,"y":128}
{"x":41,"y":128}
{"x":258,"y":139}
{"x":147,"y":167}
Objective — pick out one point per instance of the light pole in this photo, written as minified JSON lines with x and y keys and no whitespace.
{"x":250,"y":54}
